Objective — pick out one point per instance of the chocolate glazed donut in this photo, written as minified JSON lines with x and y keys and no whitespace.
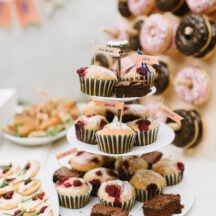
{"x":123,"y":8}
{"x":188,"y":130}
{"x":162,"y":78}
{"x":178,"y":7}
{"x":193,"y":34}
{"x":212,"y":44}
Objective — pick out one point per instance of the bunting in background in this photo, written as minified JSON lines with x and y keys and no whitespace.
{"x":26,"y":12}
{"x":5,"y":14}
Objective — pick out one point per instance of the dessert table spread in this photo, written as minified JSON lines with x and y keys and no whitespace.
{"x":200,"y":171}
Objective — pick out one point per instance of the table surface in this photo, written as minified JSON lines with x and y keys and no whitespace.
{"x":200,"y":171}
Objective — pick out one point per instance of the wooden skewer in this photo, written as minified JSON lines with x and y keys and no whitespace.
{"x":174,"y":126}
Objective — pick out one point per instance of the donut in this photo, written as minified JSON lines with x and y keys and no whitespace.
{"x":178,"y":7}
{"x":155,"y":37}
{"x":192,"y":85}
{"x":193,"y":34}
{"x":140,"y":7}
{"x":162,"y":77}
{"x":123,"y":8}
{"x":103,"y":60}
{"x":201,"y":6}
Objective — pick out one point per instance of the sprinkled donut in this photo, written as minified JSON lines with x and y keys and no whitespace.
{"x":201,"y":6}
{"x":140,"y":7}
{"x":192,"y":85}
{"x":156,"y":34}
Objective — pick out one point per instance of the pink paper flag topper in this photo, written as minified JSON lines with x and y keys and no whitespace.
{"x":148,"y":59}
{"x":5,"y":14}
{"x":112,"y":51}
{"x":170,"y":114}
{"x":109,"y":104}
{"x":65,"y":154}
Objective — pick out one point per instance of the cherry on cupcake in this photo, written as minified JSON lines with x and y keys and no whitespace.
{"x":180,"y":166}
{"x":82,"y":71}
{"x":77,"y":183}
{"x":143,"y":124}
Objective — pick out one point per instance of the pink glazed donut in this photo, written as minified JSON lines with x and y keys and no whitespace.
{"x":192,"y":85}
{"x":140,"y":7}
{"x":156,"y":34}
{"x":202,"y":6}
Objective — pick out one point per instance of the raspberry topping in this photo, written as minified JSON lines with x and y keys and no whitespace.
{"x":80,"y":124}
{"x":82,"y":71}
{"x":143,"y":125}
{"x":67,"y":184}
{"x":62,"y":181}
{"x":126,"y":108}
{"x":102,"y":124}
{"x":77,"y":183}
{"x":79,"y":153}
{"x":114,"y":191}
{"x":8,"y":195}
{"x":42,"y":210}
{"x":17,"y":212}
{"x":28,"y":165}
{"x":98,"y":173}
{"x":39,"y":196}
{"x":96,"y":183}
{"x":152,"y":187}
{"x":142,"y":70}
{"x":180,"y":166}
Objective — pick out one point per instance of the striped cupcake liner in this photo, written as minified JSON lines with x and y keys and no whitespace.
{"x":125,"y":205}
{"x":103,"y":88}
{"x":85,"y":135}
{"x":115,"y":144}
{"x":144,"y":195}
{"x":146,"y":138}
{"x":73,"y":202}
{"x":173,"y":179}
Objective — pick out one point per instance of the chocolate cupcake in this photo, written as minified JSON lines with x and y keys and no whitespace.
{"x":148,"y":184}
{"x":146,"y":131}
{"x":127,"y":166}
{"x":162,"y":77}
{"x":97,"y":81}
{"x":99,"y":175}
{"x":171,"y":169}
{"x":87,"y":126}
{"x":115,"y":138}
{"x":117,"y":193}
{"x":193,"y":35}
{"x":178,"y":7}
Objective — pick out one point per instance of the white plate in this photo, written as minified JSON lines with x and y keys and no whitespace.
{"x":165,"y":136}
{"x":34,"y":141}
{"x":184,"y":189}
{"x":153,"y":90}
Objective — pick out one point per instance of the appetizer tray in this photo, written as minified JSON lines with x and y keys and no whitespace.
{"x":165,"y":137}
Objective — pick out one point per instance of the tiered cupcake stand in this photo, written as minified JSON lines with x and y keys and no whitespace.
{"x":165,"y":137}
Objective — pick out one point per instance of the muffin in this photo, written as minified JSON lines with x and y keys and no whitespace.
{"x":73,"y":193}
{"x":152,"y":158}
{"x":148,"y":184}
{"x":83,"y":161}
{"x":115,"y":138}
{"x":146,"y":131}
{"x":97,"y":81}
{"x":127,"y":166}
{"x":99,"y":175}
{"x":171,"y":169}
{"x":87,"y":126}
{"x":117,"y":193}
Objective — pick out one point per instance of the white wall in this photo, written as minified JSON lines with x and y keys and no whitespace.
{"x":47,"y":56}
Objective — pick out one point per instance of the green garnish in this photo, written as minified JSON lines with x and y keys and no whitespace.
{"x":5,"y":167}
{"x":55,"y":131}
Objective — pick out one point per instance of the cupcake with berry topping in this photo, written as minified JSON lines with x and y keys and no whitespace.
{"x":127,"y":166}
{"x":99,"y":175}
{"x":148,"y":184}
{"x":117,"y":193}
{"x":146,"y":131}
{"x":115,"y":138}
{"x":7,"y":185}
{"x":87,"y":126}
{"x":171,"y":169}
{"x":97,"y":81}
{"x":83,"y":161}
{"x":73,"y":193}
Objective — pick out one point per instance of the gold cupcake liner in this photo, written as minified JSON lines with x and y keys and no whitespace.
{"x":145,"y":195}
{"x":173,"y":179}
{"x":146,"y":138}
{"x":115,"y":144}
{"x":85,"y":135}
{"x":72,"y":202}
{"x":124,"y":205}
{"x":103,"y":88}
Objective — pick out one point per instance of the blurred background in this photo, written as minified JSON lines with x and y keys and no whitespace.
{"x":46,"y":57}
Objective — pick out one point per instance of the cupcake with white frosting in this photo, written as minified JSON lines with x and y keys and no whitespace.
{"x":97,"y":81}
{"x":73,"y":192}
{"x":117,"y":193}
{"x":115,"y":138}
{"x":87,"y":126}
{"x":146,"y":131}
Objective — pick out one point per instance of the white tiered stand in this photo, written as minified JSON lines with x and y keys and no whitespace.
{"x":165,"y":137}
